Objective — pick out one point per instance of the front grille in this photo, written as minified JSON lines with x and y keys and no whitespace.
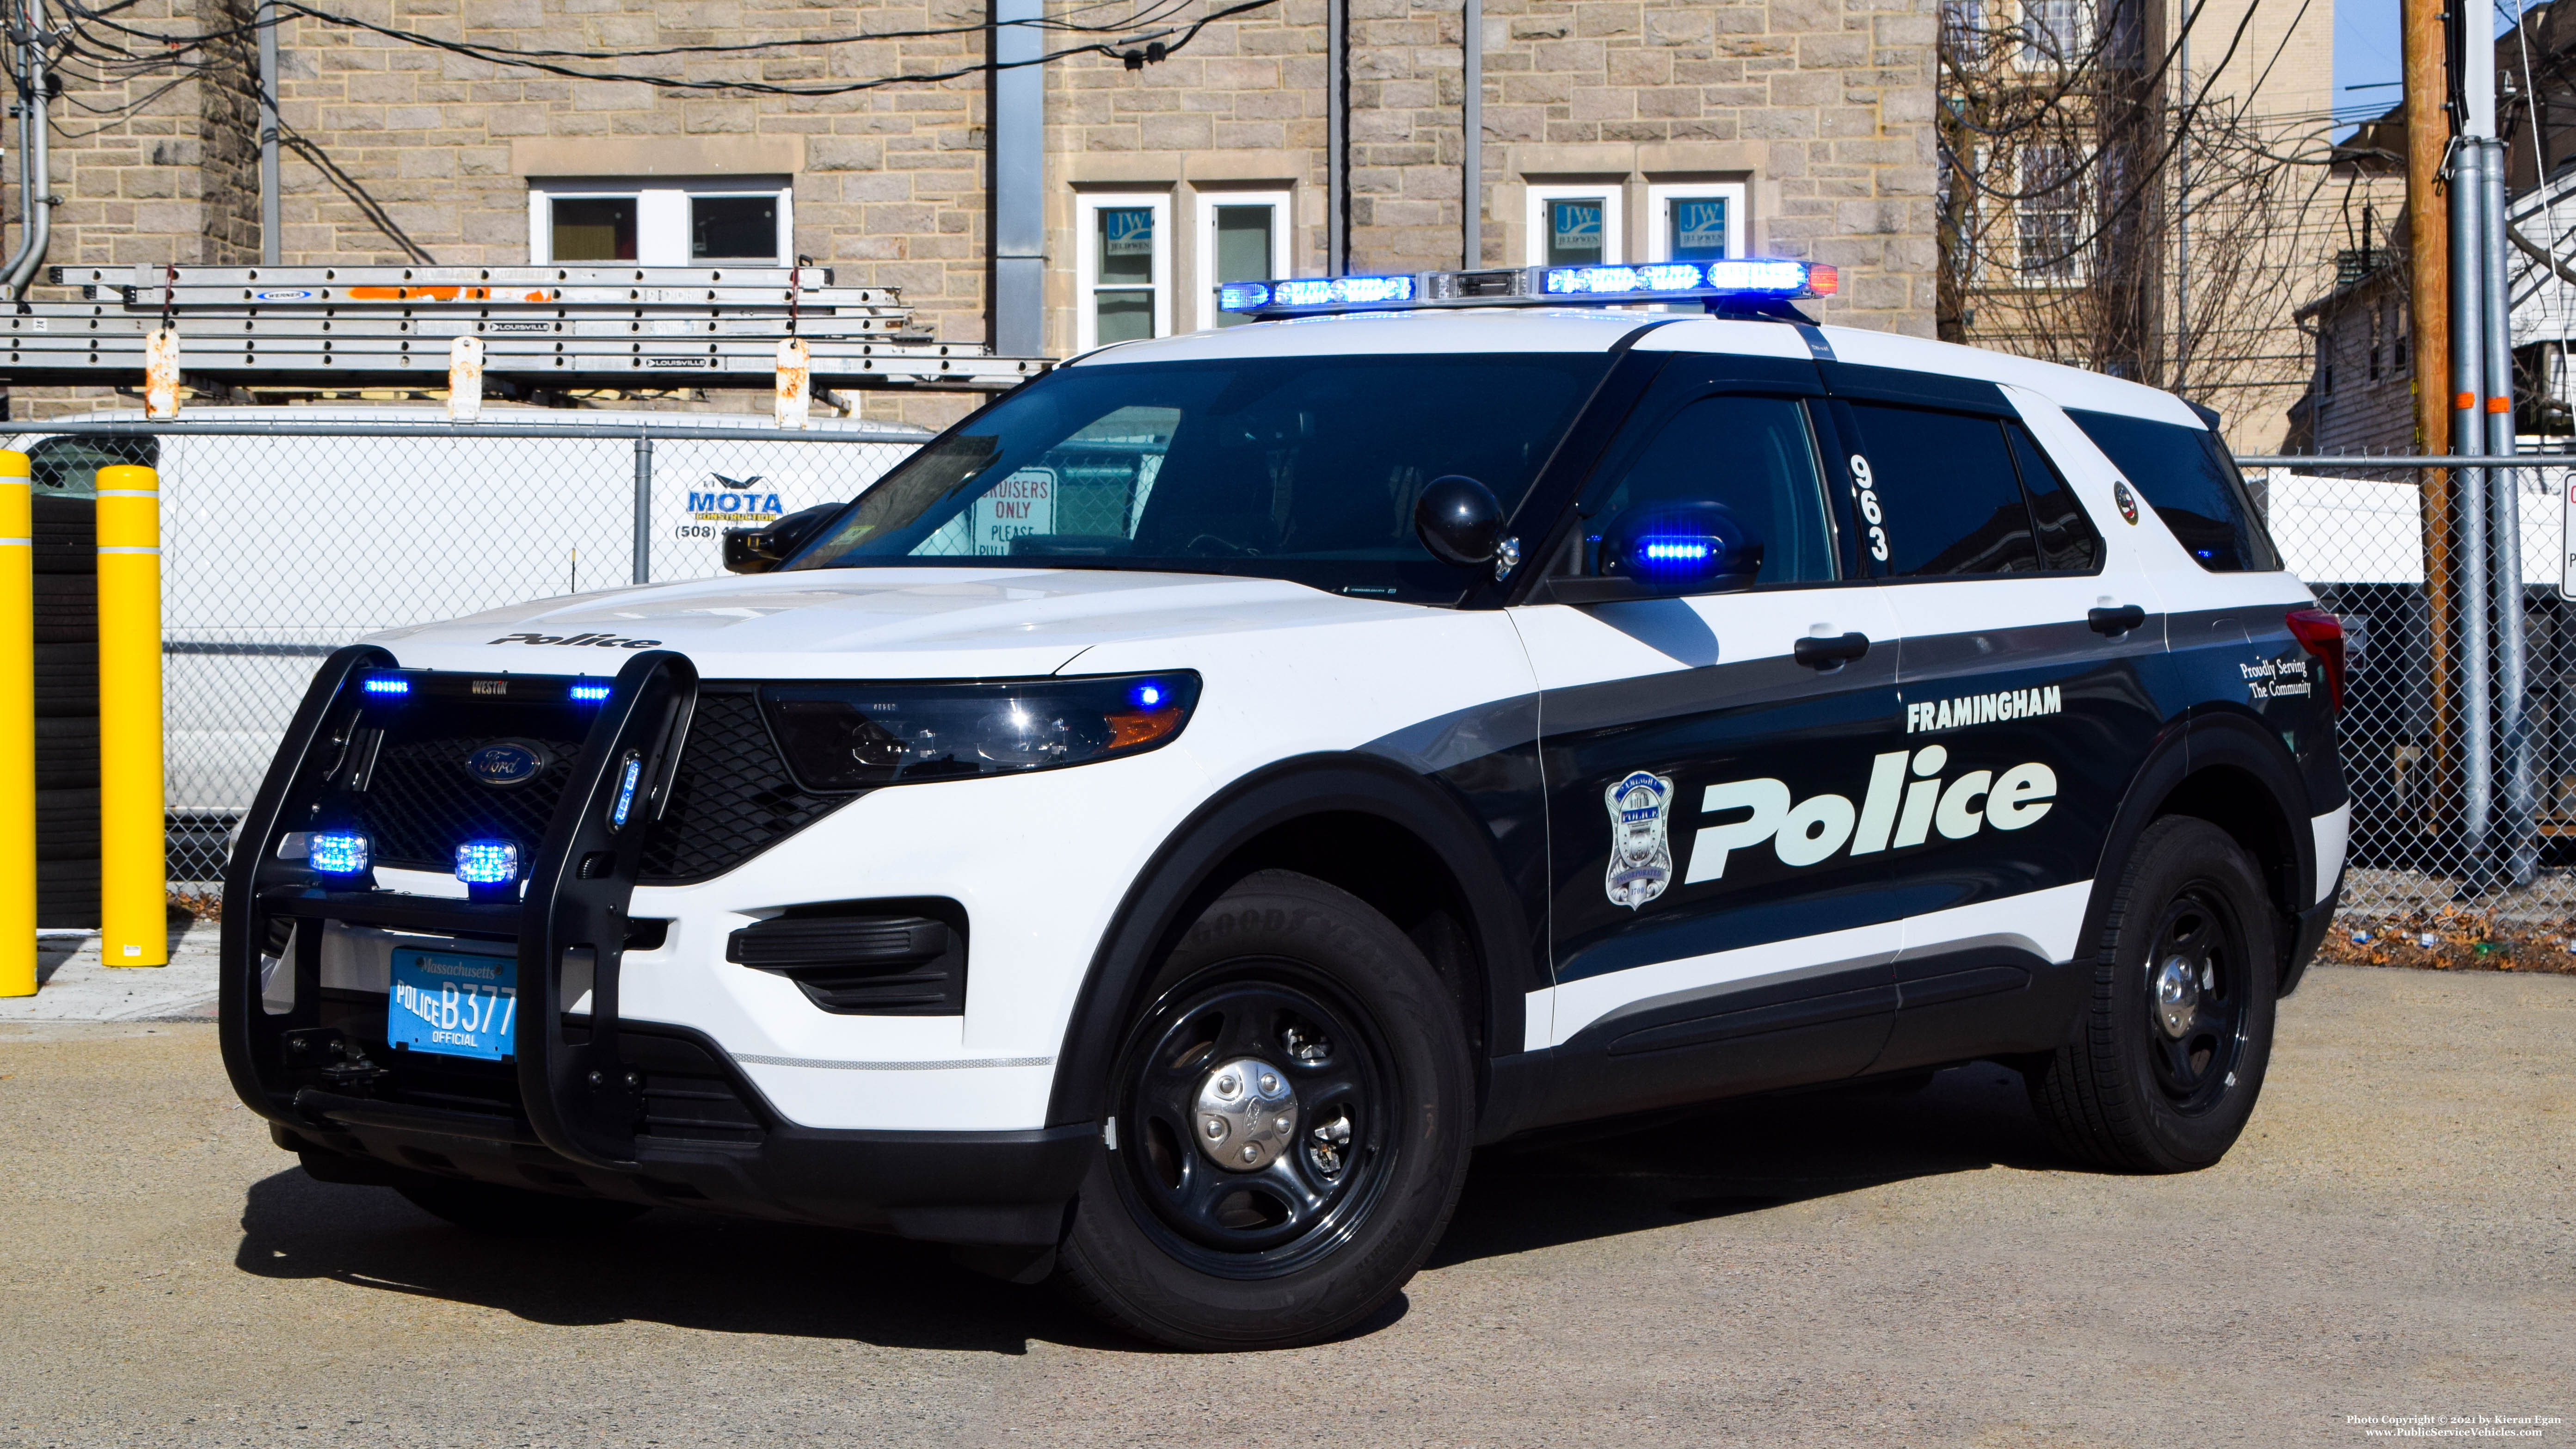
{"x":421,"y":804}
{"x":731,"y":799}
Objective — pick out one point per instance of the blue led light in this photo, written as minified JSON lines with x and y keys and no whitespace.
{"x":1747,"y":276}
{"x":585,"y":692}
{"x":627,"y":779}
{"x":386,"y":684}
{"x":1669,"y":554}
{"x":487,"y":862}
{"x":336,"y":852}
{"x":1148,"y":694}
{"x":1242,"y":296}
{"x":1591,"y":281}
{"x":1341,"y":291}
{"x":1785,"y":278}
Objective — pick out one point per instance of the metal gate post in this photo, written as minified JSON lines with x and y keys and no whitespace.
{"x":2469,"y":605}
{"x":2517,"y":846}
{"x":643,"y":508}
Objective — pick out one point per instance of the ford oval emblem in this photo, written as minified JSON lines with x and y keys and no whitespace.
{"x":508,"y":762}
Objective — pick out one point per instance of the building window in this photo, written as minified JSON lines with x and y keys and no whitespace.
{"x":593,"y":229}
{"x":2398,"y":338}
{"x":1695,"y":222}
{"x":1123,"y":261}
{"x":1243,"y":237}
{"x":662,"y":222}
{"x":2378,"y":333}
{"x":1574,"y":226}
{"x":2053,"y":29}
{"x":2325,"y":357}
{"x":2047,"y":213}
{"x":733,"y":228}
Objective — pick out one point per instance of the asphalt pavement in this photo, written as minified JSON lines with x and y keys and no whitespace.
{"x":2390,"y":1242}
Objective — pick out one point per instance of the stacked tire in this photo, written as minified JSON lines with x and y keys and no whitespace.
{"x":66,"y":538}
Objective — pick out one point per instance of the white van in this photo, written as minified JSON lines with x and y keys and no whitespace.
{"x":280,"y":546}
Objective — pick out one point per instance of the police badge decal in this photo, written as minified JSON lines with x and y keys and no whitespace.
{"x":1641,"y":863}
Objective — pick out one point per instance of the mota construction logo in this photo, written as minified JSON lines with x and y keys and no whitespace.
{"x":734,"y":500}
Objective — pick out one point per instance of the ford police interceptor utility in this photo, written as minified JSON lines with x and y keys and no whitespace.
{"x":1155,"y":834}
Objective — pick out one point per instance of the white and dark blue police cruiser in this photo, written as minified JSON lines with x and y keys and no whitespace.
{"x":1152,"y":837}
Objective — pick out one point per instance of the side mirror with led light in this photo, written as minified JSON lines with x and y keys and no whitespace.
{"x":758,"y":550}
{"x":1665,"y":551}
{"x":1459,"y":520}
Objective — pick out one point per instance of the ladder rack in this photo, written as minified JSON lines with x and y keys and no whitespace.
{"x":559,"y":328}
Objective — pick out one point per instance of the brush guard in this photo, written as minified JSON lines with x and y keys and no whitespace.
{"x":580,"y":1097}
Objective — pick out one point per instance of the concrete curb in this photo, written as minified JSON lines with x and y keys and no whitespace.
{"x":74,"y":985}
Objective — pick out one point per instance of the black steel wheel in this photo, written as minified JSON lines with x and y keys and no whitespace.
{"x":1288,"y":1127}
{"x":2199,"y":991}
{"x":2169,"y":1060}
{"x":1257,"y":1105}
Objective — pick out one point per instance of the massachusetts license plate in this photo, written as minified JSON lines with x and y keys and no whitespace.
{"x":453,"y":1002}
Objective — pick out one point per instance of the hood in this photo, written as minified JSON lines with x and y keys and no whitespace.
{"x":871,"y":623}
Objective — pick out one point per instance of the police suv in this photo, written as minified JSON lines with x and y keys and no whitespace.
{"x":1152,"y":837}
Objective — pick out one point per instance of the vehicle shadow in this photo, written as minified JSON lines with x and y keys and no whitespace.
{"x":1603,"y":1179}
{"x":728,"y":1275}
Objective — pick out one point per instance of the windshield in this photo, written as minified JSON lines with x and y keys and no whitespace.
{"x":1301,"y":468}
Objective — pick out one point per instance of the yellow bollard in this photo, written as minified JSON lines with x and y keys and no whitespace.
{"x":17,"y":731}
{"x":134,"y":896}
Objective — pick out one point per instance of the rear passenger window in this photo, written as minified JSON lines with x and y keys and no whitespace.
{"x":2067,"y":542}
{"x":2192,"y":484}
{"x":1946,"y":484}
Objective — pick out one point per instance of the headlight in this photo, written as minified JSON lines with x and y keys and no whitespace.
{"x":852,"y":736}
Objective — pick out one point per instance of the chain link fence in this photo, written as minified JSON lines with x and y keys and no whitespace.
{"x":287,"y":533}
{"x":2458,"y":729}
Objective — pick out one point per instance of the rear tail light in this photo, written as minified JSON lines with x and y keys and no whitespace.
{"x":2321,"y":634}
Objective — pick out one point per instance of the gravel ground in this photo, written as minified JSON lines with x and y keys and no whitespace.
{"x":2392,"y":1237}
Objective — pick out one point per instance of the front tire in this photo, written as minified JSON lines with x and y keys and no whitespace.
{"x":2171,"y":1054}
{"x":1291,"y":1109}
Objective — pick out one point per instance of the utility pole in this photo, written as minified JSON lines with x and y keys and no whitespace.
{"x":2428,"y":134}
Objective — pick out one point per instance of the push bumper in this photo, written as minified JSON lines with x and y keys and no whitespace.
{"x":585,"y":1103}
{"x":1000,"y":1189}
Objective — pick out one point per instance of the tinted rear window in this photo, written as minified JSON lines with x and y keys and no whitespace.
{"x":1946,"y":483}
{"x":2192,"y":484}
{"x":2067,"y":542}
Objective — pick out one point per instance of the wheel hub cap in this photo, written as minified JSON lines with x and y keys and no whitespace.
{"x":2177,"y":988}
{"x":1246,"y":1114}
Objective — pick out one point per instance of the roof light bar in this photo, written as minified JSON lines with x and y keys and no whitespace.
{"x":1757,"y":282}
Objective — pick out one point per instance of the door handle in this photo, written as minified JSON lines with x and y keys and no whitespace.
{"x":1830,"y":653}
{"x":2116,"y":622}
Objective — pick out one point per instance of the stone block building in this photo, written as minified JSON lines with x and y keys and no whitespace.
{"x":1046,"y":207}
